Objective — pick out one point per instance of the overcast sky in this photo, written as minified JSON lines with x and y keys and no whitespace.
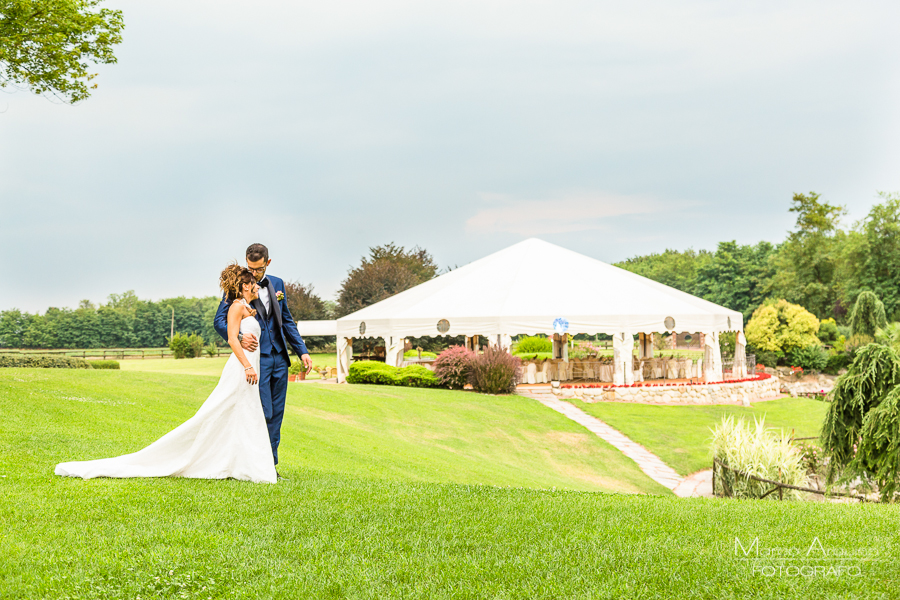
{"x":323,"y":128}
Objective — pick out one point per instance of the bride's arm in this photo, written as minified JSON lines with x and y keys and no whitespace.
{"x":235,"y":314}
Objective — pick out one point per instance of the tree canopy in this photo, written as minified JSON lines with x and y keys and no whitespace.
{"x":820,"y":266}
{"x":48,"y":46}
{"x":388,"y":270}
{"x":804,"y":268}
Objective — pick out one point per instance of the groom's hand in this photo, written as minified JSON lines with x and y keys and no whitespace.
{"x":307,"y":361}
{"x":249,"y":342}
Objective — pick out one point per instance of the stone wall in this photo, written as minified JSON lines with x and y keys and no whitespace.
{"x":715,"y":393}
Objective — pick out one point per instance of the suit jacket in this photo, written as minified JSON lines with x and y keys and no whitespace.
{"x":278,"y":329}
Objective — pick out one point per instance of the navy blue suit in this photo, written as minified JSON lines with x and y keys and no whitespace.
{"x":277,"y":332}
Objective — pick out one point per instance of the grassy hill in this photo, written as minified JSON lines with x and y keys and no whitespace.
{"x":348,"y":525}
{"x":205,"y":366}
{"x":680,"y":435}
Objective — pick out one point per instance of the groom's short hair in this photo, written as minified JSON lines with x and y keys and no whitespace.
{"x":257,"y":252}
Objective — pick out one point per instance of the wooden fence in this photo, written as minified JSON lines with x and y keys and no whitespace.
{"x":777,"y":486}
{"x":109,"y":353}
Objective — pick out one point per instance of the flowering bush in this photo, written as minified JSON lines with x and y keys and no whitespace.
{"x":494,"y":372}
{"x":453,"y":366}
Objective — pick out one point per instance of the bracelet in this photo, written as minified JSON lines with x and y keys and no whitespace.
{"x":248,"y":368}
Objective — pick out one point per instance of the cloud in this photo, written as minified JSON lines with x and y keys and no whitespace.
{"x":561,"y":213}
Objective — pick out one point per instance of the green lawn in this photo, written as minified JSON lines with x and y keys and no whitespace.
{"x":379,"y":530}
{"x":205,"y":366}
{"x":680,"y":435}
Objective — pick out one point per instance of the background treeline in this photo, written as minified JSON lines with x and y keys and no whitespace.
{"x":126,"y":321}
{"x":820,"y":266}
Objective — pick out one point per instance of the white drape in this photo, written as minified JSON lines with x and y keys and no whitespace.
{"x":344,"y":356}
{"x":740,"y":355}
{"x":623,"y":348}
{"x":712,"y":360}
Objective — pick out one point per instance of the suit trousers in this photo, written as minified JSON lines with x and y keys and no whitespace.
{"x":273,"y":382}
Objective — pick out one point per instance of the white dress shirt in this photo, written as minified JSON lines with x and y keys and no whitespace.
{"x":264,"y":298}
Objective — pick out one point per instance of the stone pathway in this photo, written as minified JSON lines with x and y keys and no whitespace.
{"x":699,"y":484}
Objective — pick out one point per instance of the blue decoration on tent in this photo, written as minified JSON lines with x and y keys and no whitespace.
{"x":560,"y":325}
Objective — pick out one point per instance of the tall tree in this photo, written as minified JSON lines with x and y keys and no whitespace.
{"x":737,"y":276}
{"x":806,"y":262}
{"x":303,"y":302}
{"x":388,"y":270}
{"x":872,"y":255}
{"x":672,"y":268}
{"x":868,"y":315}
{"x":48,"y":45}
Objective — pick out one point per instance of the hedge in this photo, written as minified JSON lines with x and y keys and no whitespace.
{"x":378,"y":373}
{"x":527,"y":345}
{"x":104,"y":364}
{"x":43,"y":362}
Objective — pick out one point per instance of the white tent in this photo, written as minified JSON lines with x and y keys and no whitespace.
{"x":523,"y":290}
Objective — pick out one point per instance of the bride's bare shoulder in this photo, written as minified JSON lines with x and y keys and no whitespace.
{"x":242,"y":309}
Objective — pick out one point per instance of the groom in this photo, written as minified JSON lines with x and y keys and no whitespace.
{"x":277,"y":331}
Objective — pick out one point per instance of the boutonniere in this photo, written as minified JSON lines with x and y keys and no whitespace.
{"x":279,"y":296}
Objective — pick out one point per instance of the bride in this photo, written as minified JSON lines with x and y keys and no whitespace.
{"x":228,"y":436}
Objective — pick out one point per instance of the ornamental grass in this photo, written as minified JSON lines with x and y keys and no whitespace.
{"x":755,"y":450}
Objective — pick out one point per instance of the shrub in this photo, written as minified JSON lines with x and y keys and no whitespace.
{"x":765,"y":357}
{"x":875,"y":372}
{"x":186,"y":346}
{"x":415,"y":354}
{"x":828,"y":331}
{"x":534,"y":344}
{"x":878,"y":451}
{"x":837,"y":361}
{"x":416,"y":376}
{"x":868,"y":315}
{"x":28,"y":361}
{"x":453,"y":366}
{"x":211,"y":350}
{"x":180,"y":345}
{"x":811,"y":358}
{"x":889,"y":336}
{"x":105,"y":364}
{"x":196,"y":346}
{"x":756,"y":451}
{"x":856,"y":342}
{"x":495,"y":371}
{"x":371,"y":371}
{"x":379,"y":373}
{"x":782,"y":326}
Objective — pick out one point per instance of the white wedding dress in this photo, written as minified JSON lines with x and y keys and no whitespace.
{"x":226,"y":438}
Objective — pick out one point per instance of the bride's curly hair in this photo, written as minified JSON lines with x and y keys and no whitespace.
{"x":232,"y":278}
